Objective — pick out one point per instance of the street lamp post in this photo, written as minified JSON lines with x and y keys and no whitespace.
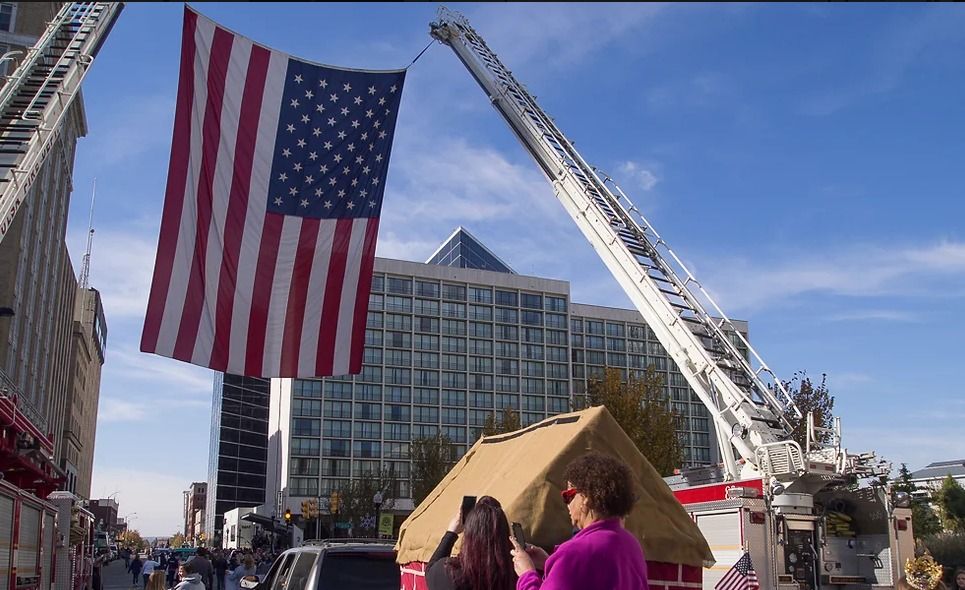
{"x":377,"y":501}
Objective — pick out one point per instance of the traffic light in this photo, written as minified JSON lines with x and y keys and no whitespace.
{"x":288,"y":515}
{"x":313,"y":507}
{"x":307,"y":508}
{"x":333,"y":503}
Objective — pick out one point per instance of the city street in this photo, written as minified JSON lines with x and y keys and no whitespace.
{"x":115,"y":576}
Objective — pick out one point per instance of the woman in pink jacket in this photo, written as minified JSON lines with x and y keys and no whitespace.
{"x":602,"y":555}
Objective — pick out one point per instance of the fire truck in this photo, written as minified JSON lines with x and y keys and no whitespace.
{"x":798,"y":511}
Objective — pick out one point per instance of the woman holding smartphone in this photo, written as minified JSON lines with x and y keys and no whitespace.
{"x":602,"y":555}
{"x":484,"y":562}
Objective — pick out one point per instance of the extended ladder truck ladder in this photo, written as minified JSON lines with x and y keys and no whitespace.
{"x":749,"y":407}
{"x":36,"y":98}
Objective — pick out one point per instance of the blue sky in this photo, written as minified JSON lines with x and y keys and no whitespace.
{"x":804,"y":160}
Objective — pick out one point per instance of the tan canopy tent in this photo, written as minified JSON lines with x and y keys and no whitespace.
{"x":524,"y":471}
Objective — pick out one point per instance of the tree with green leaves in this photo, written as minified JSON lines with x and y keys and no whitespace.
{"x":924,"y":521}
{"x":432,"y":458}
{"x":809,"y":397}
{"x":507,"y":422}
{"x":951,"y":499}
{"x":177,"y":541}
{"x":640,"y":408}
{"x":356,"y":503}
{"x":131,"y":539}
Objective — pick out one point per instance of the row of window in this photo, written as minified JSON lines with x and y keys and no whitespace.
{"x":453,"y":336}
{"x":458,"y":292}
{"x":312,"y":390}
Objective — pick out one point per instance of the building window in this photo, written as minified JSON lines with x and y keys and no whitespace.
{"x":369,"y":393}
{"x":427,"y":325}
{"x":298,"y":486}
{"x":303,"y":466}
{"x":307,"y":407}
{"x":453,"y":398}
{"x":400,"y":432}
{"x":338,"y":390}
{"x":481,"y":312}
{"x":425,"y":414}
{"x":453,"y":310}
{"x":454,"y":292}
{"x":335,"y":448}
{"x":7,"y":10}
{"x":399,"y":285}
{"x":305,"y":427}
{"x":368,"y":430}
{"x":378,"y":283}
{"x":307,"y":388}
{"x":481,"y":347}
{"x":507,"y":316}
{"x":555,"y":303}
{"x":531,"y":301}
{"x":594,"y":327}
{"x":480,"y":400}
{"x":480,"y":295}
{"x":426,"y":307}
{"x":506,"y":298}
{"x":305,"y":446}
{"x":366,"y":448}
{"x":426,"y":396}
{"x":399,"y":395}
{"x":337,"y":428}
{"x":397,"y":413}
{"x":480,"y":330}
{"x":401,"y":358}
{"x":427,"y":289}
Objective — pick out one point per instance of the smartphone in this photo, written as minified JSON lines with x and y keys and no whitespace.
{"x":518,"y":534}
{"x":468,"y":502}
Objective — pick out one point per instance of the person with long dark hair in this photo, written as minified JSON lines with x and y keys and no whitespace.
{"x":484,"y":562}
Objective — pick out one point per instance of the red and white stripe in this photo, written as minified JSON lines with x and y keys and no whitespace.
{"x":235,"y":288}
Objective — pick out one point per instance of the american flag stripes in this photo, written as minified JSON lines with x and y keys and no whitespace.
{"x":271,"y":212}
{"x":740,"y":577}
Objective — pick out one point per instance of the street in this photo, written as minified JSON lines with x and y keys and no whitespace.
{"x":116,"y":577}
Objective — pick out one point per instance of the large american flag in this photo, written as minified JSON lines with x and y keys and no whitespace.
{"x":275,"y":185}
{"x":740,"y":577}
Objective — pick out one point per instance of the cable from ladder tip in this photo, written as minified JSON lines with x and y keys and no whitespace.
{"x":426,"y":48}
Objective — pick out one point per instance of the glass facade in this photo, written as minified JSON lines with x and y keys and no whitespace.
{"x":465,"y":251}
{"x":445,"y":350}
{"x":238,"y":450}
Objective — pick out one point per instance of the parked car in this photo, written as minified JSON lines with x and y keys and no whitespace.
{"x":334,"y":564}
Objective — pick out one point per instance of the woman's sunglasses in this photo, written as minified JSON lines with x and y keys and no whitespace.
{"x":568,"y":495}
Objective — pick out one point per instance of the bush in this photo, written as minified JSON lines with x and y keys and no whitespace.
{"x":948,"y":549}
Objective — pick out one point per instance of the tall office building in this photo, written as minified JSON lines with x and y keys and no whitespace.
{"x":237,"y":455}
{"x":88,"y":349}
{"x":37,"y":282}
{"x":445,"y":347}
{"x":195,"y":503}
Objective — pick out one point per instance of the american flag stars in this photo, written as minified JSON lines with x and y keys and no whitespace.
{"x":341,"y":168}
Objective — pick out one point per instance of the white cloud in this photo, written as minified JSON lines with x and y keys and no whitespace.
{"x":155,"y":497}
{"x":559,"y":34}
{"x":868,"y":271}
{"x":156,"y":373}
{"x":859,"y":315}
{"x":122,"y":265}
{"x":115,"y":410}
{"x":641,"y":176}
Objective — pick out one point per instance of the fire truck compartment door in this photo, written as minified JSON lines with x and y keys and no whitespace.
{"x":6,"y":539}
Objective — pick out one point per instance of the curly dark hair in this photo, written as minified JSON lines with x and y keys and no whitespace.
{"x":605,"y":482}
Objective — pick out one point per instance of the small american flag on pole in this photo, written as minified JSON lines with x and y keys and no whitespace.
{"x":740,"y":577}
{"x":271,"y":212}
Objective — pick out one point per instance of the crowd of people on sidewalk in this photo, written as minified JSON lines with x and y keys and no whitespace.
{"x":205,"y":570}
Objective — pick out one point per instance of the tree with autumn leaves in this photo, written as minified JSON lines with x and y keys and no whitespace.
{"x":640,"y":407}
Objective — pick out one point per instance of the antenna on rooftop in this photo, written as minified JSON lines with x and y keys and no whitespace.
{"x":85,"y":268}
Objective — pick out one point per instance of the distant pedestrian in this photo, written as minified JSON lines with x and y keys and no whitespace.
{"x":135,"y":568}
{"x":220,"y":565}
{"x":172,"y":570}
{"x":958,"y":582}
{"x":147,"y":568}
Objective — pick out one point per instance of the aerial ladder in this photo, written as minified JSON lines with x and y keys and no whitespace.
{"x":36,"y":98}
{"x":751,"y":408}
